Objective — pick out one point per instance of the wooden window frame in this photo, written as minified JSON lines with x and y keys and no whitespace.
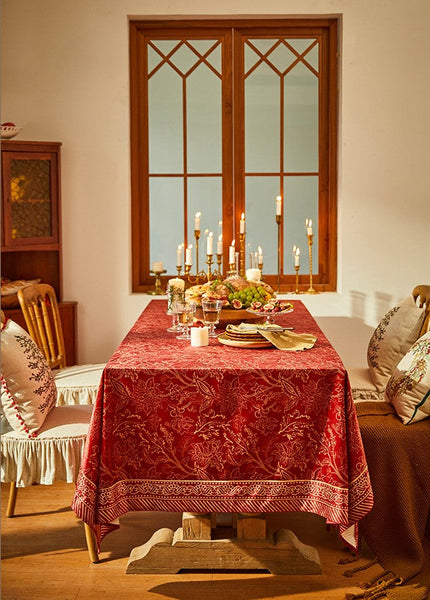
{"x":325,"y":29}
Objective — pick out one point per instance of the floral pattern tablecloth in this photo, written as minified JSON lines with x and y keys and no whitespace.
{"x":223,"y":429}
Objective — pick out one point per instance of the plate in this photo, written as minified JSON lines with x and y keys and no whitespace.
{"x":271,"y":313}
{"x":243,"y":343}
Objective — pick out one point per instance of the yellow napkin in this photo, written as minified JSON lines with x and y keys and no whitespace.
{"x":286,"y":340}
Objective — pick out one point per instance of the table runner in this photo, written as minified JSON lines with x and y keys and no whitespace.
{"x":223,"y":429}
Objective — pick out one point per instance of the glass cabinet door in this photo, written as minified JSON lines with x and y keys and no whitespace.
{"x":30,"y":202}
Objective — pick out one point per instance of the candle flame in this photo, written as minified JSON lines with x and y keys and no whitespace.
{"x":297,"y":251}
{"x":278,"y":198}
{"x":294,"y":249}
{"x":190,"y":247}
{"x":220,"y":223}
{"x":206,"y":231}
{"x":310,"y":222}
{"x":220,"y":238}
{"x":260,"y":250}
{"x":198,"y":215}
{"x":242,"y":218}
{"x":233,"y":242}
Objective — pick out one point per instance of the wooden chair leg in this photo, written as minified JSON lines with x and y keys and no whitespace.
{"x":91,"y":543}
{"x":13,"y":491}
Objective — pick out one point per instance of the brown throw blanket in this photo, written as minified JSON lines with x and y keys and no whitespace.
{"x":398,"y":457}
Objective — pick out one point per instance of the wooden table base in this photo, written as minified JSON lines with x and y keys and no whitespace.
{"x":199,"y":544}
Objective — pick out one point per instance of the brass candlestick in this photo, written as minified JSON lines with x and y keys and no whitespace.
{"x":158,"y":290}
{"x":278,"y":222}
{"x":297,"y":268}
{"x":260,"y":266}
{"x":310,"y":242}
{"x":218,"y":260}
{"x":179,"y":269}
{"x":196,"y":237}
{"x":209,"y":264}
{"x":242,"y":254}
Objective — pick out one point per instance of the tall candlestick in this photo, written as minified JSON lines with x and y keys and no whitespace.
{"x":197,"y":221}
{"x":279,"y":205}
{"x":309,"y":226}
{"x":242,"y":224}
{"x":310,"y":242}
{"x":210,"y":244}
{"x":242,"y":254}
{"x":278,"y":223}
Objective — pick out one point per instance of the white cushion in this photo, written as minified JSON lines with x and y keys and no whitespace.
{"x":28,"y":389}
{"x":78,"y":384}
{"x":393,"y":337}
{"x":409,"y":387}
{"x":55,"y":453}
{"x":363,"y":388}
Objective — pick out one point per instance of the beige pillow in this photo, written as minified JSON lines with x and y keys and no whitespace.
{"x":390,"y":341}
{"x":408,"y":389}
{"x":28,"y":390}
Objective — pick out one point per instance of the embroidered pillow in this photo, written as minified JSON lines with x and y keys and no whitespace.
{"x":393,"y":337}
{"x":28,"y":390}
{"x":408,"y":389}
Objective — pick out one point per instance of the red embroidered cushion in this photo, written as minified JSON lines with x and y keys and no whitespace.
{"x":28,"y":390}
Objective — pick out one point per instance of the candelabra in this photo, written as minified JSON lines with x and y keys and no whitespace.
{"x":196,"y":237}
{"x":158,"y":290}
{"x":242,"y":254}
{"x":278,"y":223}
{"x":202,"y":276}
{"x":310,"y":242}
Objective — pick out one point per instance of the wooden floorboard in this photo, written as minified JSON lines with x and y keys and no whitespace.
{"x":44,"y":557}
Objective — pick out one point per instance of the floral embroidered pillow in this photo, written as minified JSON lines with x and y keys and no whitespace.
{"x":395,"y":334}
{"x":408,"y":389}
{"x":28,"y":390}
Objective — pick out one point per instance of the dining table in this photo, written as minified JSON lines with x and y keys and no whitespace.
{"x":228,"y":431}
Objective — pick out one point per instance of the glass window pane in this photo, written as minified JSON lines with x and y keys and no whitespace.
{"x":165,"y":121}
{"x":204,"y":121}
{"x":204,"y":196}
{"x":166,"y":220}
{"x":262,"y":120}
{"x":300,"y":203}
{"x":261,"y":227}
{"x":301,"y":120}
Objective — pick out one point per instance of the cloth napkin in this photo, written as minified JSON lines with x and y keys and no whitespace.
{"x":286,"y":340}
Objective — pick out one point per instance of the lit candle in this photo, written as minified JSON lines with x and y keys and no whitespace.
{"x":179,"y":256}
{"x":157,"y":267}
{"x":242,"y":223}
{"x":309,"y":226}
{"x":278,"y":205}
{"x":188,"y":255}
{"x":260,"y":255}
{"x":219,"y":245}
{"x":210,"y":244}
{"x":297,"y":258}
{"x":231,"y":251}
{"x":219,"y":227}
{"x":197,"y":221}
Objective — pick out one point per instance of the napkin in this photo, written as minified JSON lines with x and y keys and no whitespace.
{"x":286,"y":340}
{"x":254,"y":327}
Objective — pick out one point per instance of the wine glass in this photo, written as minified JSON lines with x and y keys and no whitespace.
{"x":211,"y":314}
{"x":173,"y":296}
{"x":185,"y":312}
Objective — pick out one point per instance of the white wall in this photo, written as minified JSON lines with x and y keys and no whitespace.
{"x":64,"y":77}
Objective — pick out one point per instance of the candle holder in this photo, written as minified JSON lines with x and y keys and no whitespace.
{"x":158,"y":290}
{"x":218,"y":260}
{"x":260,"y":266}
{"x":278,"y":223}
{"x":209,"y":263}
{"x":179,"y":269}
{"x":242,"y":254}
{"x":310,"y":242}
{"x":196,"y":237}
{"x":297,"y":268}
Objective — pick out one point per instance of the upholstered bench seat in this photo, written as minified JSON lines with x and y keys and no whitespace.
{"x":363,"y":388}
{"x":78,"y":384}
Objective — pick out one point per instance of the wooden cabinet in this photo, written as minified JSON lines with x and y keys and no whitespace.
{"x":31,"y":221}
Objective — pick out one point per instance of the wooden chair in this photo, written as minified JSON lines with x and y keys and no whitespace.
{"x":422,"y":293}
{"x":77,"y":384}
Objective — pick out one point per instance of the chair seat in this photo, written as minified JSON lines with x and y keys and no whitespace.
{"x":363,"y":388}
{"x":78,"y":384}
{"x":55,"y":453}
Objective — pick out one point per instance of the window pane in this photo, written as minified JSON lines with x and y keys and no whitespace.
{"x":300,"y":203}
{"x":204,"y":121}
{"x":301,"y":120}
{"x":205,"y":196}
{"x":262,"y":120}
{"x":166,"y":220}
{"x":165,"y":121}
{"x":261,"y":227}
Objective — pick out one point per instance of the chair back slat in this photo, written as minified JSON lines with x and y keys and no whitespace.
{"x":42,"y":316}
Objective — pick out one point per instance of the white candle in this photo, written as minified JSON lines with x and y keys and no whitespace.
{"x":278,"y":205}
{"x":210,"y":244}
{"x":197,"y":221}
{"x":188,"y":256}
{"x":176,"y":284}
{"x":309,"y":226}
{"x":199,"y":336}
{"x":231,"y":252}
{"x":260,"y":255}
{"x":219,"y":245}
{"x":157,"y":267}
{"x":242,"y":223}
{"x":179,"y":256}
{"x":297,"y":258}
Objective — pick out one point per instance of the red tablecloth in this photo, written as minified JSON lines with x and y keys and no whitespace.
{"x":222,"y":429}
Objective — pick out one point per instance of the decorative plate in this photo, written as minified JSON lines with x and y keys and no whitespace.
{"x":243,"y":343}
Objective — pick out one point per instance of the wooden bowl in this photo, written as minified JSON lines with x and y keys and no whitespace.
{"x":231,"y":315}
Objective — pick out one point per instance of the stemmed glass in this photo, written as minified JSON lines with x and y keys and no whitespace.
{"x":185,"y":312}
{"x":211,"y":314}
{"x":173,"y":296}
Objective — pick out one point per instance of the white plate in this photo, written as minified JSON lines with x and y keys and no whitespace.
{"x":243,"y":344}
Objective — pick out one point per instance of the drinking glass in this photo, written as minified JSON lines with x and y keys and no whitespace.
{"x":211,"y":314}
{"x":173,"y":296}
{"x":185,"y":312}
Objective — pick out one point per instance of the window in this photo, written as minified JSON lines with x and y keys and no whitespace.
{"x":225,"y":117}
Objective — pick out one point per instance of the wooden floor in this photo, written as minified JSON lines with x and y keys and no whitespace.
{"x":44,"y":557}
